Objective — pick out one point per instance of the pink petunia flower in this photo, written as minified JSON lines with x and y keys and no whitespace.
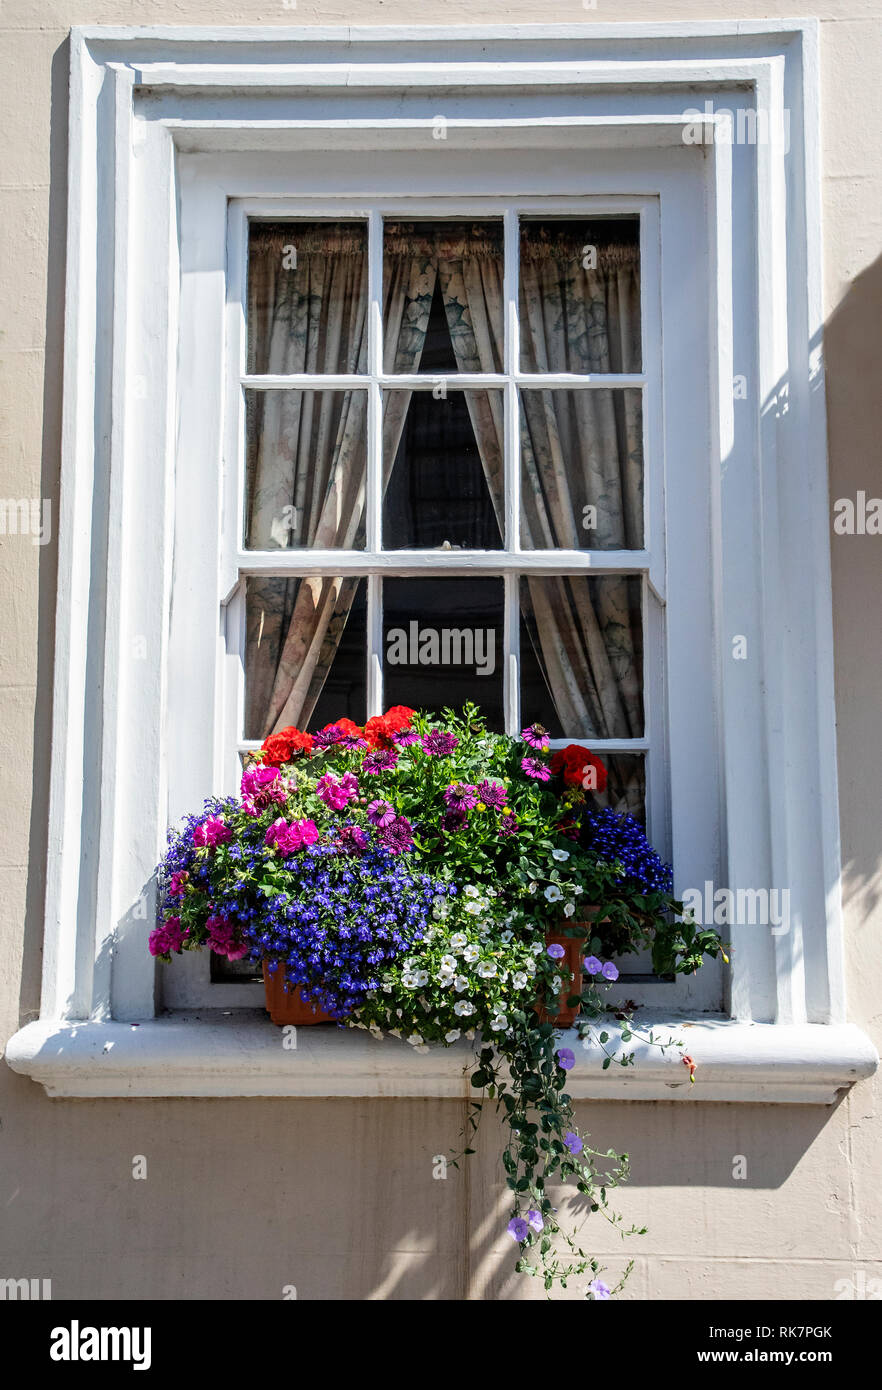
{"x":337,"y":793}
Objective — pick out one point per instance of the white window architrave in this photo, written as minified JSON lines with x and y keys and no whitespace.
{"x":169,"y":122}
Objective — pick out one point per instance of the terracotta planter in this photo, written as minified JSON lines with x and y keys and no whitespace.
{"x":572,"y":960}
{"x":286,"y":1005}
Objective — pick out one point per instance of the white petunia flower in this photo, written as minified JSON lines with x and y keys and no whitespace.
{"x":530,"y":966}
{"x":458,"y":940}
{"x":560,"y":855}
{"x":499,"y":1023}
{"x":422,"y":978}
{"x":415,"y":1040}
{"x":460,"y":983}
{"x":471,"y":953}
{"x":569,"y":909}
{"x":536,"y":947}
{"x":519,"y":979}
{"x":471,"y":891}
{"x":487,"y":969}
{"x":452,"y":1035}
{"x":531,"y":887}
{"x":557,"y":984}
{"x":448,"y":962}
{"x":553,"y":893}
{"x":376,"y":1032}
{"x":463,"y":1008}
{"x":473,"y":908}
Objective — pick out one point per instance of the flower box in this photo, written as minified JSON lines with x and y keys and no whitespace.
{"x":286,"y":1005}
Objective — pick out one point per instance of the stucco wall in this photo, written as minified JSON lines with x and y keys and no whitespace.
{"x":337,"y":1198}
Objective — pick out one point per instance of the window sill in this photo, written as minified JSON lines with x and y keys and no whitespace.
{"x":242,"y":1054}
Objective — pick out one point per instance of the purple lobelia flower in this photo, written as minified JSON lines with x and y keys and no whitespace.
{"x":517,"y":1228}
{"x":439,"y":745}
{"x":535,"y":735}
{"x":534,"y":767}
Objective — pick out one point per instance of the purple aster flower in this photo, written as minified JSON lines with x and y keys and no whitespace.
{"x":508,"y":826}
{"x":609,"y":971}
{"x":566,"y":1058}
{"x":493,"y":794}
{"x":439,"y":745}
{"x":397,"y":837}
{"x":327,"y":738}
{"x":534,"y":1219}
{"x":461,"y":796}
{"x":573,"y":1142}
{"x":534,"y":767}
{"x":517,"y":1228}
{"x":592,"y":965}
{"x":381,"y":813}
{"x":453,"y":820}
{"x":556,"y":951}
{"x":406,"y":737}
{"x":535,"y":735}
{"x":599,"y":1289}
{"x":382,"y":761}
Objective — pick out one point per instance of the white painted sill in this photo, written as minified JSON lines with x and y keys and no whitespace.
{"x":241,"y":1054}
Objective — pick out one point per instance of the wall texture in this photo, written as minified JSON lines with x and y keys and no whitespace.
{"x":337,"y":1198}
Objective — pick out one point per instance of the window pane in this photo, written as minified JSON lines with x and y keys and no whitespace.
{"x":580,"y":295}
{"x":625,"y":788}
{"x":582,"y":470}
{"x":305,"y":653}
{"x":445,"y":486}
{"x":305,"y":469}
{"x":442,"y":297}
{"x":582,"y":656}
{"x":443,"y":644}
{"x":307,"y":297}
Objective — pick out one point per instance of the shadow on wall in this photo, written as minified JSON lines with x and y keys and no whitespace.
{"x":853,"y":352}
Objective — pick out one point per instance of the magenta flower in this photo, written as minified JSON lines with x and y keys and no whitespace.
{"x":508,"y":826}
{"x":382,"y":761}
{"x":493,"y":794}
{"x":261,"y":786}
{"x":566,"y":1058}
{"x":592,"y":965}
{"x":176,"y":887}
{"x":609,"y":971}
{"x":397,"y":837}
{"x":289,"y":838}
{"x":222,"y":938}
{"x":407,"y":736}
{"x":556,"y":951}
{"x":353,"y":840}
{"x":381,"y":813}
{"x":337,"y":793}
{"x":534,"y":767}
{"x":461,"y":796}
{"x":439,"y":745}
{"x":211,"y":832}
{"x":337,"y":737}
{"x":573,"y":1142}
{"x":535,"y":735}
{"x":517,"y":1228}
{"x":453,"y":820}
{"x":167,"y":937}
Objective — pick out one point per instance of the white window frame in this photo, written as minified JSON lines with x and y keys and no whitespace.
{"x":151,"y":111}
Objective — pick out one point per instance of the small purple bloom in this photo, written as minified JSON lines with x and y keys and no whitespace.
{"x":593,"y":965}
{"x":517,"y":1228}
{"x":566,"y":1058}
{"x":599,"y":1289}
{"x":609,"y":971}
{"x":337,"y":793}
{"x":382,"y":761}
{"x":453,"y":820}
{"x":353,"y":839}
{"x":508,"y":826}
{"x":461,"y":796}
{"x":573,"y":1142}
{"x":176,"y":887}
{"x":535,"y":736}
{"x":534,"y":1219}
{"x":439,"y":745}
{"x":556,"y":951}
{"x":406,"y":737}
{"x":534,"y":767}
{"x":493,"y":794}
{"x":381,"y":813}
{"x":397,"y":837}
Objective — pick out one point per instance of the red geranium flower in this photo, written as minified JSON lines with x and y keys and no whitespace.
{"x":580,"y":767}
{"x":378,"y":732}
{"x":281,"y":747}
{"x":399,"y":717}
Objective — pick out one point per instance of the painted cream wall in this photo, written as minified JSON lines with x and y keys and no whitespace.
{"x":337,"y":1198}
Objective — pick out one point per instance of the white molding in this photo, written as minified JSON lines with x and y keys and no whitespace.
{"x":240,"y":1054}
{"x":598,"y":87}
